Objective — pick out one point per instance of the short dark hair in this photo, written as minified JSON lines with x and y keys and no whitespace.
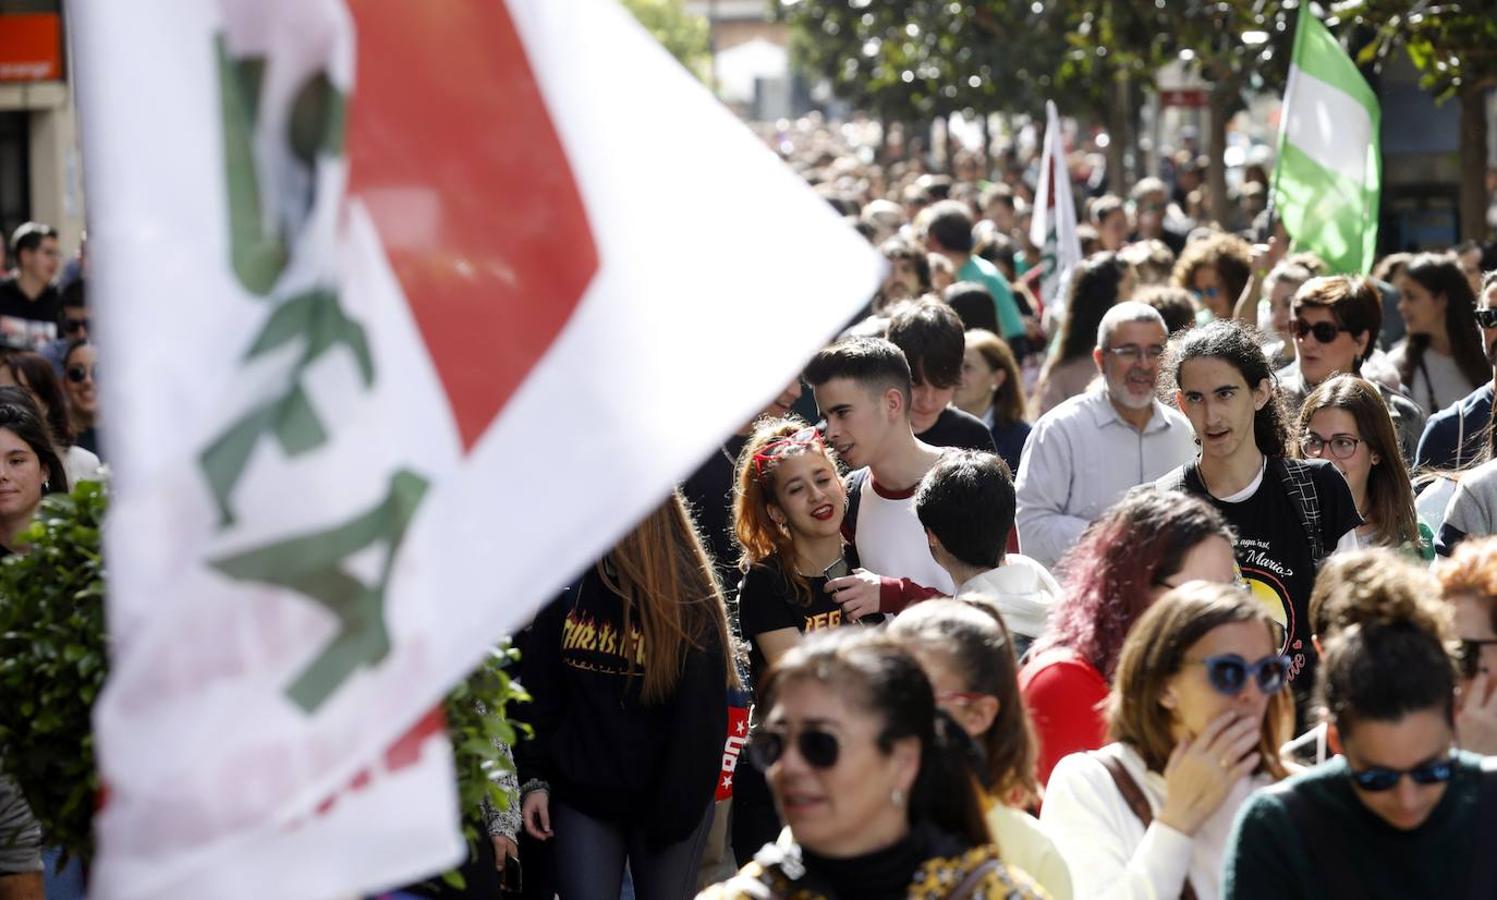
{"x":874,"y":363}
{"x":1104,"y":206}
{"x":973,"y":304}
{"x":1353,"y":302}
{"x":967,"y":501}
{"x":951,"y":225}
{"x":929,"y":333}
{"x":1174,"y":306}
{"x":29,"y":236}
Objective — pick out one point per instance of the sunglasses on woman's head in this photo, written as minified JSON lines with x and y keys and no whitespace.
{"x":774,"y":450}
{"x":1378,"y":778}
{"x":1324,"y":332}
{"x":1229,"y":673}
{"x":818,"y":748}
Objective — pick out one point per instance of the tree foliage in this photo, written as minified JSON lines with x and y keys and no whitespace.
{"x":686,"y":36}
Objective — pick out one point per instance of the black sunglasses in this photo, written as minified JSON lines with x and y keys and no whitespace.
{"x":1378,"y":778}
{"x":1469,"y":655}
{"x":78,"y":374}
{"x":71,"y":325}
{"x":1229,"y":673}
{"x":818,"y":748}
{"x":1486,"y":317}
{"x":1324,"y":332}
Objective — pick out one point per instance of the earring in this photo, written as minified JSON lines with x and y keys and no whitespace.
{"x":896,"y":797}
{"x":47,"y":485}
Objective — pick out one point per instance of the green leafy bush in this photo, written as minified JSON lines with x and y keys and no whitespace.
{"x":53,"y":663}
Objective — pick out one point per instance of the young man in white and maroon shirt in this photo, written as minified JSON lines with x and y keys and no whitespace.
{"x":862,"y":388}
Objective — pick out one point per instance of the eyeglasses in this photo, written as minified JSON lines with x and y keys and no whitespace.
{"x":1229,"y":673}
{"x":80,"y":374}
{"x":1486,"y":317}
{"x":774,"y":450}
{"x":1208,"y":293}
{"x":1343,"y":446}
{"x":1324,"y":332}
{"x":71,"y":326}
{"x":1378,"y":778}
{"x":818,"y":748}
{"x":1469,"y":655}
{"x":1135,"y":353}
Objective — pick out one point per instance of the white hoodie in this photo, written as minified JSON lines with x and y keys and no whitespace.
{"x":1023,"y":591}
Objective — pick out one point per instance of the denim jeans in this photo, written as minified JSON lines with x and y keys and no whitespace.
{"x":591,"y":853}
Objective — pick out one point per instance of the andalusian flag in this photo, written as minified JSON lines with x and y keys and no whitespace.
{"x":411,"y":310}
{"x":1329,"y":170}
{"x":1052,"y":227}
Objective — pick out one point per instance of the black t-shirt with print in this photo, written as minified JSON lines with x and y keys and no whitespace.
{"x":767,"y":602}
{"x":1273,"y":553}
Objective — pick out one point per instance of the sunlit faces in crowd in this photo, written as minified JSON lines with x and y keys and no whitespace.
{"x":1414,"y":747}
{"x":1334,"y":436}
{"x":22,"y":477}
{"x":1324,"y":346}
{"x":1486,"y":318}
{"x":1211,"y":560}
{"x":859,"y":419}
{"x":1220,"y":404}
{"x":78,"y":381}
{"x":831,"y":780}
{"x":808,"y":496}
{"x":1130,"y":362}
{"x":1232,"y":670}
{"x":980,"y":381}
{"x":1423,"y":311}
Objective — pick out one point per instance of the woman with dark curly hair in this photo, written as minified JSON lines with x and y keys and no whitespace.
{"x":1288,"y":514}
{"x":1143,"y":546}
{"x":1099,"y":284}
{"x":1215,"y":269}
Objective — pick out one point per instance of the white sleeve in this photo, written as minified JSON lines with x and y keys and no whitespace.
{"x":1097,"y":834}
{"x":1347,"y":541}
{"x":1042,"y":490}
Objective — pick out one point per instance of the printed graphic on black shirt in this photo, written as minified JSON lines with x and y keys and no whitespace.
{"x":596,"y":646}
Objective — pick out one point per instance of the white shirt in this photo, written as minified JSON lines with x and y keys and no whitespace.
{"x":1080,"y":459}
{"x":1023,"y":591}
{"x":891,"y":541}
{"x":1110,"y":855}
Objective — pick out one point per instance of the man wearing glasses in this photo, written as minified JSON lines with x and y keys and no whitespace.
{"x":1086,"y":453}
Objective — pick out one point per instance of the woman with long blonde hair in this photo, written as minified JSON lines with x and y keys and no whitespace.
{"x":630,"y":670}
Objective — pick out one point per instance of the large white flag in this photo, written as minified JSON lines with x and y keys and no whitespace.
{"x":1052,"y":226}
{"x":410,"y":309}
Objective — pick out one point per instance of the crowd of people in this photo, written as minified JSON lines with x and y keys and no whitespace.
{"x":1132,"y":591}
{"x":1179,"y":582}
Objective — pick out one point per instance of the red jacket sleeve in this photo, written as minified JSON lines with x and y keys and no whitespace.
{"x":894,"y":594}
{"x":1065,"y":696}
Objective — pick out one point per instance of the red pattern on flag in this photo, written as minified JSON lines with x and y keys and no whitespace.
{"x":455,"y":156}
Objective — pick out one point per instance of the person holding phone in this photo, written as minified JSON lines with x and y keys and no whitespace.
{"x":787,"y":510}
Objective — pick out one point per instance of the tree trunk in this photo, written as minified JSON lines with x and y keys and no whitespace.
{"x":1220,"y":103}
{"x":1473,"y":163}
{"x":986,"y":158}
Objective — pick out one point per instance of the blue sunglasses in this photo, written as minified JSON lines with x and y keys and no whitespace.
{"x":1381,"y":779}
{"x":1229,"y":673}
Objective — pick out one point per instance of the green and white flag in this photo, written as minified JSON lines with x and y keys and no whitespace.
{"x":1329,"y":170}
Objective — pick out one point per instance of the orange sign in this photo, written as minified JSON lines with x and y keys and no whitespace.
{"x":30,"y":47}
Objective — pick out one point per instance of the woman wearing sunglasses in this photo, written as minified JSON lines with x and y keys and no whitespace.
{"x":630,"y":669}
{"x":1442,"y":359}
{"x":788,"y":507}
{"x":967,"y":653}
{"x":78,"y":369}
{"x":1401,"y":812}
{"x":1335,"y":322}
{"x":32,"y":373}
{"x":1196,"y":716}
{"x":1139,"y":549}
{"x":1468,"y":582}
{"x":874,"y":782}
{"x":1345,"y":422}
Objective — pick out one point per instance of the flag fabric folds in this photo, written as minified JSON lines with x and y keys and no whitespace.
{"x":1329,"y":170}
{"x":1053,"y":225}
{"x":411,"y":310}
